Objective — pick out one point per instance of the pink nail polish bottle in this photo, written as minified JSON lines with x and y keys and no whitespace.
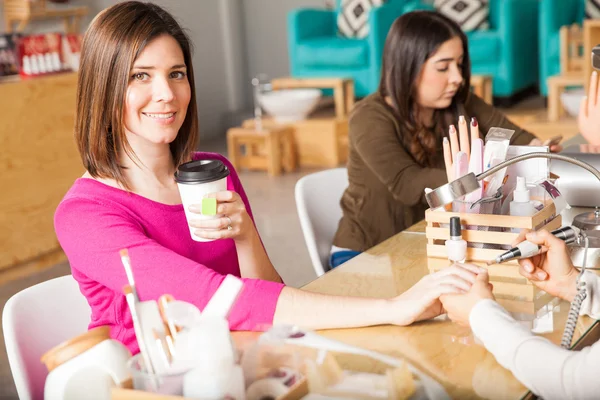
{"x":456,"y":247}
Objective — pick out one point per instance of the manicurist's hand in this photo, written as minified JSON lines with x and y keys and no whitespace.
{"x":552,"y":270}
{"x":235,"y":222}
{"x":459,"y":306}
{"x":422,"y":302}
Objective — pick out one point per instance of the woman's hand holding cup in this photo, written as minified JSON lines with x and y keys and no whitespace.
{"x":233,"y":223}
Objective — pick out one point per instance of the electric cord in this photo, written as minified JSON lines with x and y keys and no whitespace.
{"x":573,"y":316}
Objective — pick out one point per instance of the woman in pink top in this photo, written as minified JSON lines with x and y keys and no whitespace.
{"x":136,"y":122}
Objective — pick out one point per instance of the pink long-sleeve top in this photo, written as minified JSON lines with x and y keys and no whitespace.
{"x":94,"y":221}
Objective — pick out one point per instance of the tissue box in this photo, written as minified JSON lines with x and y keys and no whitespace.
{"x":512,"y":290}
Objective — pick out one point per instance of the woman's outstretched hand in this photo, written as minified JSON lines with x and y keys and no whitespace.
{"x":459,"y":306}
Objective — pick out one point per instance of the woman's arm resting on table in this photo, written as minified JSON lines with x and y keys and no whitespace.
{"x":320,"y":311}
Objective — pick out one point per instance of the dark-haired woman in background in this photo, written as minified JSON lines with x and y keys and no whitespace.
{"x":396,"y":134}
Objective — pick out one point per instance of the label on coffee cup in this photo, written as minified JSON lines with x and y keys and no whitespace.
{"x":209,"y":206}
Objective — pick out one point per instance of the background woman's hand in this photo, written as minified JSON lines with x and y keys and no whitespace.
{"x":421,"y":301}
{"x":551,"y":271}
{"x":459,"y":141}
{"x":459,"y":306}
{"x":235,"y":222}
{"x":554,"y":147}
{"x":589,"y":113}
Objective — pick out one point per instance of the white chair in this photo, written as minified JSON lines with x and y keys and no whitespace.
{"x":35,"y":320}
{"x":318,"y":202}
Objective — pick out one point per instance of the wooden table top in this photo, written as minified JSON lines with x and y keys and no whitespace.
{"x":444,"y":350}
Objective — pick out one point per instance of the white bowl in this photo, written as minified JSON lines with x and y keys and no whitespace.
{"x":571,"y":99}
{"x":289,"y":105}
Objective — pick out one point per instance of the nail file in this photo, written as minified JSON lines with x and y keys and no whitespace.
{"x":461,"y":164}
{"x":476,"y":167}
{"x":221,"y":302}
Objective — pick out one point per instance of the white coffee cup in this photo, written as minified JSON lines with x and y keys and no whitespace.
{"x":196,"y":179}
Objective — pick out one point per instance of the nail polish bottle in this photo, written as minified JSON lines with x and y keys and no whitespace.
{"x":456,"y":247}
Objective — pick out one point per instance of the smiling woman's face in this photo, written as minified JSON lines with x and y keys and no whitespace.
{"x":441,"y":76}
{"x":158,"y":93}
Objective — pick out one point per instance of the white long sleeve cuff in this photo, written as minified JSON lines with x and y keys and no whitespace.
{"x":546,"y":369}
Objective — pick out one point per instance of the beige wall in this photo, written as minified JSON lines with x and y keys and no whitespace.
{"x":266,"y":34}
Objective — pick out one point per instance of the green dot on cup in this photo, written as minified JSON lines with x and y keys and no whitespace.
{"x":209,"y":206}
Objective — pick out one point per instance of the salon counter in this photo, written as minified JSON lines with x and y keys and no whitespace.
{"x":39,"y":162}
{"x":444,"y":350}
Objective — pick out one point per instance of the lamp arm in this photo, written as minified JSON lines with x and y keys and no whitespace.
{"x":552,"y":156}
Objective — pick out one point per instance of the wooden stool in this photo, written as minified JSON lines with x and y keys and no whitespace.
{"x":482,"y":87}
{"x":271,"y":149}
{"x":571,"y":69}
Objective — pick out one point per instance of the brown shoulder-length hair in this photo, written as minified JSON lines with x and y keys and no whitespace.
{"x":111,"y":44}
{"x":412,"y":40}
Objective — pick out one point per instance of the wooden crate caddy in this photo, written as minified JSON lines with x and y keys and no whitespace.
{"x":512,"y":290}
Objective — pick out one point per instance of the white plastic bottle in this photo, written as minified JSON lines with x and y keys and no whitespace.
{"x":521,"y":206}
{"x":456,"y":247}
{"x":26,"y":65}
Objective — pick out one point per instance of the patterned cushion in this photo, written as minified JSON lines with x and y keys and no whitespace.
{"x":469,"y":14}
{"x":592,"y":9}
{"x":353,"y":18}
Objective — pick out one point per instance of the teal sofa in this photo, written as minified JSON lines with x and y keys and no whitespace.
{"x":553,"y":15}
{"x":507,"y":51}
{"x":316,"y":50}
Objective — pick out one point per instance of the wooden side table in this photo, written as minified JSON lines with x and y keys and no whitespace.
{"x":343,"y":90}
{"x":482,"y":87}
{"x":271,"y":149}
